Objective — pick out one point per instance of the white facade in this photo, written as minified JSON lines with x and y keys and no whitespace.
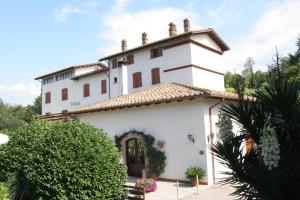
{"x":75,"y":92}
{"x":193,"y":60}
{"x":170,"y":123}
{"x":175,"y":57}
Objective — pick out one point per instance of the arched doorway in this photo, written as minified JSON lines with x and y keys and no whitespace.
{"x":135,"y":154}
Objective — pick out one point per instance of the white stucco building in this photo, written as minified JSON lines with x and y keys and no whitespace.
{"x":171,"y":89}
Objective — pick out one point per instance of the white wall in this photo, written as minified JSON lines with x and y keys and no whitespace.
{"x":75,"y":93}
{"x":174,"y":57}
{"x":166,"y":122}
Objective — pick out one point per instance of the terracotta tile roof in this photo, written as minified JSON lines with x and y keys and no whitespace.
{"x":166,"y":92}
{"x":70,"y":68}
{"x":211,"y":32}
{"x":54,"y":117}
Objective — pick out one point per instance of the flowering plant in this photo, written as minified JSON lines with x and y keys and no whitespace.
{"x":148,"y":184}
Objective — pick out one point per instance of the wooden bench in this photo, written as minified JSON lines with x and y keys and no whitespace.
{"x":135,"y":193}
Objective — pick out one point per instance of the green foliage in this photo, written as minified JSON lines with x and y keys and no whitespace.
{"x":3,"y":192}
{"x":62,"y":160}
{"x":225,"y":127}
{"x":192,"y":172}
{"x":231,"y":90}
{"x":271,"y":169}
{"x":14,"y":116}
{"x":283,"y":68}
{"x":157,"y":158}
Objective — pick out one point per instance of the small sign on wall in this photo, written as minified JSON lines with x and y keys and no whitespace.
{"x":74,"y":104}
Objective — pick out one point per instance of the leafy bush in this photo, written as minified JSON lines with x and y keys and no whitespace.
{"x":63,"y":160}
{"x":3,"y":192}
{"x":192,"y":172}
{"x":269,"y":170}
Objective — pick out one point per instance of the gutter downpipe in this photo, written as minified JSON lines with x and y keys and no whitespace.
{"x":108,"y":78}
{"x":212,"y":138}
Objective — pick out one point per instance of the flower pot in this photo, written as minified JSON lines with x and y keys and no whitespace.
{"x":194,"y":182}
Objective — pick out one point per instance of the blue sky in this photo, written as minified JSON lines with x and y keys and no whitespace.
{"x":37,"y":37}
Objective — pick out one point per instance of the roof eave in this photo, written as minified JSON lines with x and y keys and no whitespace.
{"x":209,"y":31}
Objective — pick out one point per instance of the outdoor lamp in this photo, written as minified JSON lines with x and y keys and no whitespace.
{"x":191,"y":137}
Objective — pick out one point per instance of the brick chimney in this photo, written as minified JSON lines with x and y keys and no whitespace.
{"x":186,"y":25}
{"x":172,"y":30}
{"x":124,"y":45}
{"x":144,"y":38}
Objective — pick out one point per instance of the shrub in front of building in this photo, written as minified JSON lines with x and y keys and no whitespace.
{"x":62,"y":160}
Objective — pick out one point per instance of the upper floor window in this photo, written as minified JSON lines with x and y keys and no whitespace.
{"x":64,"y":75}
{"x":137,"y":79}
{"x":130,"y":59}
{"x":64,"y":94}
{"x":86,"y":90}
{"x":157,"y":52}
{"x":103,"y":86}
{"x":114,"y":63}
{"x":47,"y":80}
{"x":48,"y":97}
{"x":115,"y":80}
{"x":155,"y":76}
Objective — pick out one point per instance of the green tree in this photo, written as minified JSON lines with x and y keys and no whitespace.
{"x":62,"y":160}
{"x":225,"y":127}
{"x":11,"y":117}
{"x":271,"y":169}
{"x":248,"y":73}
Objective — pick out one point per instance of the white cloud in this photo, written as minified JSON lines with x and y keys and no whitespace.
{"x":92,"y":3}
{"x":279,"y":25}
{"x":20,"y":93}
{"x":61,"y":15}
{"x":121,"y":24}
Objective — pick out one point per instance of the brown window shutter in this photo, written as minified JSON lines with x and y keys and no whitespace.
{"x":137,"y":79}
{"x":103,"y":86}
{"x":114,"y":63}
{"x":64,"y":94}
{"x":48,"y":97}
{"x":155,"y":76}
{"x":86,"y":90}
{"x":130,"y":59}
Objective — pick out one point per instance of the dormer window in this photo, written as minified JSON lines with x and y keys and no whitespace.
{"x":130,"y":59}
{"x":157,"y":52}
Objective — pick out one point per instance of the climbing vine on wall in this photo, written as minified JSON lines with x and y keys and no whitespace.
{"x":156,"y":157}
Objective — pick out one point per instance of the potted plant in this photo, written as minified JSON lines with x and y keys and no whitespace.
{"x":148,"y":184}
{"x":192,"y":172}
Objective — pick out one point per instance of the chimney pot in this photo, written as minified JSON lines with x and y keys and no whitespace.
{"x":124,"y":45}
{"x":172,"y":29}
{"x":186,"y":25}
{"x":144,"y":38}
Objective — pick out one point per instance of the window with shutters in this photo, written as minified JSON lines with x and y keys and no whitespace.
{"x":48,"y":97}
{"x":103,"y":86}
{"x":157,"y":52}
{"x":86,"y":90}
{"x":64,"y":94}
{"x":155,"y":76}
{"x":130,"y":59}
{"x":114,"y":63}
{"x":137,"y":79}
